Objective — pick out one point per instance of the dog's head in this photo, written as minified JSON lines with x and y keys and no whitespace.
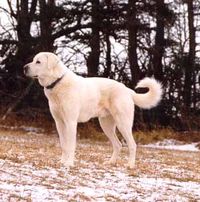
{"x":44,"y":64}
{"x":46,"y":67}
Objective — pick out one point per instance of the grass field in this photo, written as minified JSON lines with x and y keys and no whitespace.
{"x":30,"y":171}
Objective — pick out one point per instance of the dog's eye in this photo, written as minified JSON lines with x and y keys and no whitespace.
{"x":38,"y":62}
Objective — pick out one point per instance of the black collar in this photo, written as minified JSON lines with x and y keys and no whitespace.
{"x":52,"y":85}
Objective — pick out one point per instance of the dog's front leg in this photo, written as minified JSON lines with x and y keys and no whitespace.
{"x":67,"y":135}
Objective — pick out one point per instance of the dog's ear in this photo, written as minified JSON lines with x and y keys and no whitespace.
{"x":52,"y":61}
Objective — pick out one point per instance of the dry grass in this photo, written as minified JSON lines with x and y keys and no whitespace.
{"x":29,"y":162}
{"x":92,"y":130}
{"x":28,"y":153}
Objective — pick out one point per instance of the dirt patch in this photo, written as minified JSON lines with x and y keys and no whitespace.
{"x":30,"y":171}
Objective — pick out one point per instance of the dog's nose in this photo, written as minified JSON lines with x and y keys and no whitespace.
{"x":25,"y":69}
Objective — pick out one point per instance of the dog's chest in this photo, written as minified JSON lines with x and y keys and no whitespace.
{"x":53,"y":98}
{"x":93,"y":107}
{"x":86,"y":115}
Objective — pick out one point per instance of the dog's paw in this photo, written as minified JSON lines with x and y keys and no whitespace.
{"x":67,"y":163}
{"x":131,"y":165}
{"x":110,"y":162}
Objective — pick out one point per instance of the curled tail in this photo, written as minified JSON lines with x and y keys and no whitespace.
{"x":152,"y":97}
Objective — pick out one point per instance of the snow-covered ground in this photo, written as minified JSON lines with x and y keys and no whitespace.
{"x":174,"y":145}
{"x":89,"y":183}
{"x":30,"y":171}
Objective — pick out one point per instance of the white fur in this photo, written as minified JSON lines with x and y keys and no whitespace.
{"x":76,"y":99}
{"x":152,"y":97}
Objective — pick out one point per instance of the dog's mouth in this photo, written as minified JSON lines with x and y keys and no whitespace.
{"x":30,"y":76}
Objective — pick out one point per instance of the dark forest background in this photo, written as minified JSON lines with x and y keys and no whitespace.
{"x":159,"y":38}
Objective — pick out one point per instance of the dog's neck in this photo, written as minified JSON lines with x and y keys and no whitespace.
{"x":52,"y":80}
{"x":53,"y":84}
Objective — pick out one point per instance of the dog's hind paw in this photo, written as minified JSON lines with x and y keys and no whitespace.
{"x":110,"y":162}
{"x":130,"y":165}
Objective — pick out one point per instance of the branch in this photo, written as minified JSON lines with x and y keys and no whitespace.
{"x":5,"y":10}
{"x":7,"y":41}
{"x":33,"y":9}
{"x":11,"y":9}
{"x":70,"y":30}
{"x":17,"y":101}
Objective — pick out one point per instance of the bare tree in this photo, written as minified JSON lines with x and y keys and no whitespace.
{"x":188,"y":82}
{"x":23,"y":17}
{"x":132,"y":41}
{"x":93,"y":58}
{"x":86,"y":28}
{"x":46,"y":14}
{"x":158,"y":49}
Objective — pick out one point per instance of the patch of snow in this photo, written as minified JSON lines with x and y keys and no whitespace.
{"x":173,"y":145}
{"x":28,"y":129}
{"x":91,"y":181}
{"x":89,"y":184}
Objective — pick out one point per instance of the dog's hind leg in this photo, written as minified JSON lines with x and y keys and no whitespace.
{"x":124,"y":125}
{"x":108,"y":126}
{"x":123,"y":113}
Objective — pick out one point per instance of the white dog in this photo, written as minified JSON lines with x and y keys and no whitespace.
{"x":74,"y":99}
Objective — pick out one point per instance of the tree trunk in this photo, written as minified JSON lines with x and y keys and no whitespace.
{"x":191,"y":57}
{"x":45,"y":24}
{"x":132,"y":43}
{"x":159,"y":41}
{"x":24,"y":19}
{"x":107,"y":71}
{"x":93,"y":58}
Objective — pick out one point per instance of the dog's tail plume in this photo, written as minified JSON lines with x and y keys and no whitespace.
{"x":152,"y":97}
